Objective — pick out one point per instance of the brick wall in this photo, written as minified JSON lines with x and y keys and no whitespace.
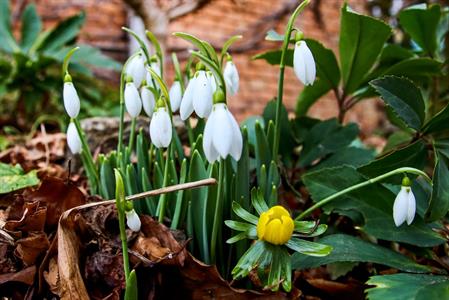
{"x":215,"y":22}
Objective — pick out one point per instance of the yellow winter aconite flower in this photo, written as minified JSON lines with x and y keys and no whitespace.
{"x":275,"y":226}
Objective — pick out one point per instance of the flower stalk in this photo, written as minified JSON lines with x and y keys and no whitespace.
{"x":218,"y":210}
{"x":360,"y":185}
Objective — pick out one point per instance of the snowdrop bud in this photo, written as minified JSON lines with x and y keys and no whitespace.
{"x":73,"y":139}
{"x":202,"y":95}
{"x":186,"y":107}
{"x":136,"y":69}
{"x":175,"y":95}
{"x":148,"y":101}
{"x":222,"y":136}
{"x":303,"y":63}
{"x":404,"y":207}
{"x":133,"y":220}
{"x":132,"y":100}
{"x":231,"y":77}
{"x":71,"y":99}
{"x":161,"y":128}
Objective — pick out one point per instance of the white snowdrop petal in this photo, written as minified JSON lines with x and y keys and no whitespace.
{"x":133,"y":220}
{"x":208,"y":147}
{"x":175,"y":95}
{"x":213,"y":83}
{"x":411,"y":207}
{"x":148,"y":101}
{"x":73,"y":139}
{"x":154,"y":131}
{"x":132,"y":100}
{"x":309,"y":64}
{"x":231,"y":77}
{"x":237,"y":140}
{"x":165,"y":128}
{"x":186,"y":108}
{"x":136,"y":69}
{"x":400,"y":207}
{"x":222,"y":135}
{"x":202,"y":95}
{"x":71,"y":100}
{"x":299,"y":65}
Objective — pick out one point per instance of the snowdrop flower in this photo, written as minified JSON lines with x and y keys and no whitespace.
{"x":133,"y":220}
{"x":186,"y":107}
{"x":160,"y":126}
{"x":136,"y":69}
{"x":132,"y":99}
{"x":73,"y":139}
{"x":303,"y":63}
{"x":148,"y":101}
{"x":222,"y":134}
{"x":231,"y":77}
{"x":71,"y":99}
{"x":213,"y":83}
{"x":175,"y":95}
{"x":404,"y":207}
{"x":202,"y":95}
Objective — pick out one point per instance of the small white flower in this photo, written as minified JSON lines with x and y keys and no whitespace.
{"x":303,"y":63}
{"x":148,"y":101}
{"x":71,"y":100}
{"x":404,"y":207}
{"x":132,"y":100}
{"x":231,"y":77}
{"x":186,"y":107}
{"x":213,"y":83}
{"x":161,"y":128}
{"x":136,"y":69}
{"x":202,"y":95}
{"x":222,"y":135}
{"x":133,"y":220}
{"x":175,"y":95}
{"x":73,"y":139}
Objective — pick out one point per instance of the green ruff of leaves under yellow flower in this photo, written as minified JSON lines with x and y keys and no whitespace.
{"x":275,"y":226}
{"x":275,"y":232}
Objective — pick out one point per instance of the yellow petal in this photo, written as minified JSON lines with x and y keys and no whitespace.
{"x":261,"y":225}
{"x":272,"y":234}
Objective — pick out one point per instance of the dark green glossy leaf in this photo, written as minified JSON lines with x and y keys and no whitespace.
{"x":361,"y":41}
{"x":403,"y":97}
{"x":439,"y":201}
{"x":351,"y":156}
{"x":408,"y":286}
{"x":438,"y":122}
{"x":347,"y":248}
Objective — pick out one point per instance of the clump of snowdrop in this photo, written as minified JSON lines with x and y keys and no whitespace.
{"x":133,"y":103}
{"x":231,"y":77}
{"x":71,"y":99}
{"x":161,"y":126}
{"x":303,"y":62}
{"x":148,"y":102}
{"x":73,"y":139}
{"x":175,"y":95}
{"x":136,"y":68}
{"x":222,"y":136}
{"x":404,"y":207}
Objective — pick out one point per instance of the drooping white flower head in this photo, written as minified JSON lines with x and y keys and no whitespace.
{"x":148,"y":101}
{"x":186,"y":108}
{"x":73,"y":139}
{"x":404,"y":206}
{"x":136,"y":69}
{"x":202,"y":95}
{"x":133,"y":220}
{"x":222,"y":136}
{"x":161,"y":127}
{"x":231,"y":77}
{"x":175,"y":95}
{"x":304,"y":63}
{"x":213,"y":83}
{"x":133,"y":103}
{"x":71,"y":99}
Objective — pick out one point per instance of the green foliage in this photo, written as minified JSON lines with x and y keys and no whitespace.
{"x":13,"y":178}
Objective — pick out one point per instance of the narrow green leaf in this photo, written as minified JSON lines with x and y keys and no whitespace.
{"x":239,"y":226}
{"x":245,"y":215}
{"x":131,"y":286}
{"x":31,"y":26}
{"x":308,"y":248}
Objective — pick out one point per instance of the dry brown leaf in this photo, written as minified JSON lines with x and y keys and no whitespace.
{"x":30,"y":248}
{"x":25,"y":276}
{"x":52,"y":276}
{"x":32,"y":218}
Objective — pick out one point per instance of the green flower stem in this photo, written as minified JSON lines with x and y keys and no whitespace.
{"x":163,"y":200}
{"x":89,"y":160}
{"x":122,"y":114}
{"x":285,"y":44}
{"x":218,"y":210}
{"x":360,"y":185}
{"x":132,"y":136}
